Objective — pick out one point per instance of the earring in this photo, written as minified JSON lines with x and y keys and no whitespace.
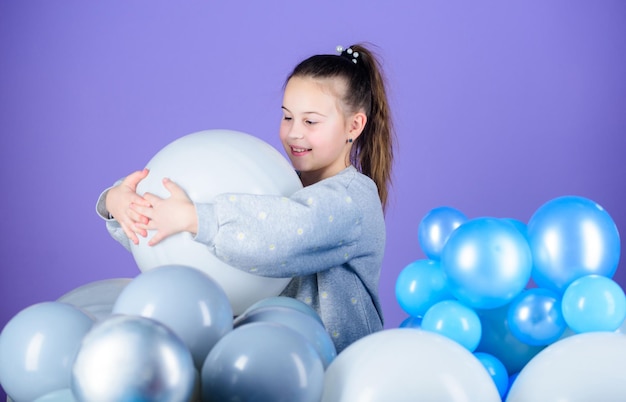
{"x":349,"y":140}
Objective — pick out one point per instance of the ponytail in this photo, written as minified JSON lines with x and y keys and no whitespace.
{"x":372,"y":151}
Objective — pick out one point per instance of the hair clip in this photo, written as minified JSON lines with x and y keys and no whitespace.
{"x":349,"y":53}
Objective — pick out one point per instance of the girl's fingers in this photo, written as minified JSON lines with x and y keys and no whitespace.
{"x":137,"y":212}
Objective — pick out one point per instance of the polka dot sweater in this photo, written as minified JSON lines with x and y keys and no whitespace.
{"x":328,"y":237}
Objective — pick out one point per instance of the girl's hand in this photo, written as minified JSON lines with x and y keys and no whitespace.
{"x":119,"y":200}
{"x":168,"y":216}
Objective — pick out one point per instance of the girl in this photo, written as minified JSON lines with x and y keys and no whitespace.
{"x":329,"y":236}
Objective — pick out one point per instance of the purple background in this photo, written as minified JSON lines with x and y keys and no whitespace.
{"x":499,"y":107}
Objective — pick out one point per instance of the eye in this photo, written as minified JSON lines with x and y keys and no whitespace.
{"x":286,"y":118}
{"x":310,"y":122}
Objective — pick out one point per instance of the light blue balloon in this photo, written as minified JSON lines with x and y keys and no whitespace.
{"x":61,"y":395}
{"x":571,"y":237}
{"x":263,"y":361}
{"x":420,"y":285}
{"x":496,"y":370}
{"x":301,"y":322}
{"x":535,"y":317}
{"x":283,"y":301}
{"x":96,"y":298}
{"x":594,"y":303}
{"x":519,"y":225}
{"x":456,"y":321}
{"x":487,"y":262}
{"x":435,"y":228}
{"x":186,"y":300}
{"x":498,"y":340}
{"x":133,"y":358}
{"x":37,"y":349}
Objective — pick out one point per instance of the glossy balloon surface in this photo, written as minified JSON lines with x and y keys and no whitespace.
{"x":403,"y":365}
{"x":487,"y":262}
{"x":205,"y":164}
{"x":580,"y":368}
{"x":186,"y":300}
{"x":263,"y":361}
{"x":37,"y":349}
{"x":571,"y":237}
{"x":132,"y":358}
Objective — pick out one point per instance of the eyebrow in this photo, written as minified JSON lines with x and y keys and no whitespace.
{"x":317,"y":113}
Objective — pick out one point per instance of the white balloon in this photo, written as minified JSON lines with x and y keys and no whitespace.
{"x":407,"y":364}
{"x":96,"y":298}
{"x":580,"y":368}
{"x":205,"y":164}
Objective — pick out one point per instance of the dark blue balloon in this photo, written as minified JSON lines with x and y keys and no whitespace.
{"x":263,"y":361}
{"x":487,"y":262}
{"x":435,"y":228}
{"x":283,"y":301}
{"x":411,"y":322}
{"x":571,"y":237}
{"x":498,"y":340}
{"x":301,"y":322}
{"x":535,"y":317}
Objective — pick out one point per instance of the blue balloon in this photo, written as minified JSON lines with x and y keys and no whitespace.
{"x":61,"y":395}
{"x":519,"y":225}
{"x":487,"y":262}
{"x":132,"y":358}
{"x":594,"y":303}
{"x":535,"y":317}
{"x":420,"y":285}
{"x":512,"y":379}
{"x":411,"y":322}
{"x":37,"y":349}
{"x":186,"y":300}
{"x":283,"y":301}
{"x":454,"y":321}
{"x":435,"y":228}
{"x":496,"y":370}
{"x":498,"y":340}
{"x":571,"y":237}
{"x":301,"y":322}
{"x":263,"y":361}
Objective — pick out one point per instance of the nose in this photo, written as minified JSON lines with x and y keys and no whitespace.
{"x":294,"y":132}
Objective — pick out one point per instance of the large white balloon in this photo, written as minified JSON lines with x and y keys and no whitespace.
{"x":580,"y":368}
{"x":205,"y":164}
{"x":407,"y":365}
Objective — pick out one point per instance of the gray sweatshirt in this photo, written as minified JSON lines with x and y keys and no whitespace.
{"x":329,"y":237}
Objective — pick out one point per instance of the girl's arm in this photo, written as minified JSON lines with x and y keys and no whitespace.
{"x":316,"y":228}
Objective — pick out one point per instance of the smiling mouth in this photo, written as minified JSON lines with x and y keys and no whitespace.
{"x":299,"y":150}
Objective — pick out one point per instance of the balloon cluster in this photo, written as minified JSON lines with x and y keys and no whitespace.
{"x":166,"y":335}
{"x":506,"y":290}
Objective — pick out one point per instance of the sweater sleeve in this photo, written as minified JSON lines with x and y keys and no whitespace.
{"x":313,"y":230}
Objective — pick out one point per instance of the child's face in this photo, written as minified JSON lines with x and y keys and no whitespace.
{"x":313,"y":129}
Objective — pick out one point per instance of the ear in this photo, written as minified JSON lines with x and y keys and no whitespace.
{"x":356,"y":125}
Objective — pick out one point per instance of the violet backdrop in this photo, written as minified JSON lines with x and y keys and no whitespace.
{"x":499,"y":107}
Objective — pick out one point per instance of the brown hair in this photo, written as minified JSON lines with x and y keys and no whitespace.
{"x":372,"y":151}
